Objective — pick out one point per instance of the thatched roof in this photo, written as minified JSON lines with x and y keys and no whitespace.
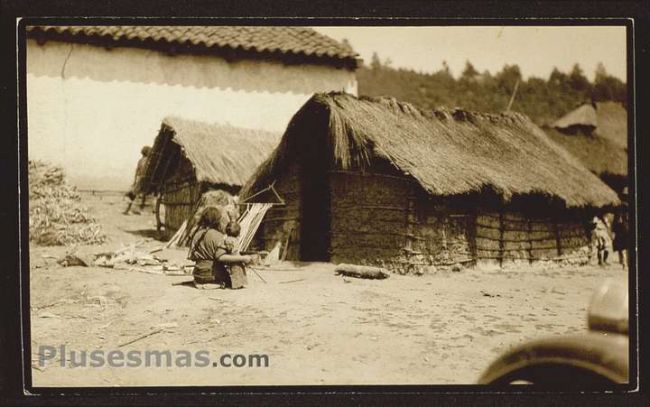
{"x":448,"y":152}
{"x":612,"y":122}
{"x":605,"y":150}
{"x":584,"y":115}
{"x":218,"y":154}
{"x":599,"y":154}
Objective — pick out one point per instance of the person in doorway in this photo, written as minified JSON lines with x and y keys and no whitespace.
{"x":136,"y":189}
{"x":211,"y":252}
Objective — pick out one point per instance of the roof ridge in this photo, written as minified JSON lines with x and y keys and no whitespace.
{"x":282,"y":40}
{"x":458,"y":114}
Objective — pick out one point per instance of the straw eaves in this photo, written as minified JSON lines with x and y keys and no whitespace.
{"x":448,"y":152}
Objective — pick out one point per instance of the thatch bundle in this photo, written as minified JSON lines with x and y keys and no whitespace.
{"x":448,"y":152}
{"x":56,"y":216}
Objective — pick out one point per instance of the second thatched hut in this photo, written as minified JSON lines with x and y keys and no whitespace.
{"x":596,"y":134}
{"x":377,"y":181}
{"x":189,"y":158}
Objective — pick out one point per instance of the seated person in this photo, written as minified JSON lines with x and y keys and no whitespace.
{"x":211,"y":253}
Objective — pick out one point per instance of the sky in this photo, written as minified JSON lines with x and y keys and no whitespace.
{"x":536,"y":49}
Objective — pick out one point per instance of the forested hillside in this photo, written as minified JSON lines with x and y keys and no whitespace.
{"x":544,"y":100}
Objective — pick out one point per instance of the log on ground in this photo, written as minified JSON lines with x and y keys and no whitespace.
{"x":353,"y":270}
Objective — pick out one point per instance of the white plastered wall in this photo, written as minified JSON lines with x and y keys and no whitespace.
{"x":91,"y":109}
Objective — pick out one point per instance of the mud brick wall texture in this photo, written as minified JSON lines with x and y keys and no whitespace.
{"x":368,"y":217}
{"x":385,"y":220}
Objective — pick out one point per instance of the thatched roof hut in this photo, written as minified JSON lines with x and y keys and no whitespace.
{"x":374,"y":180}
{"x":604,"y":150}
{"x":448,"y":152}
{"x":190,"y":157}
{"x":219,"y":154}
{"x":583,"y":116}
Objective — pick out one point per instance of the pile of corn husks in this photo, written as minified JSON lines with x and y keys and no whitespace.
{"x":56,"y":216}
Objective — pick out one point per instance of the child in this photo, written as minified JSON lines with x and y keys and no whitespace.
{"x":208,"y":248}
{"x":232,"y":232}
{"x":236,"y":271}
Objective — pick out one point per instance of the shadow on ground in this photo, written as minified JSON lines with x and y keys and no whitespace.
{"x":146,"y":233}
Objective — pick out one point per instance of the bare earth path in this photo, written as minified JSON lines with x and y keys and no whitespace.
{"x":315,"y":327}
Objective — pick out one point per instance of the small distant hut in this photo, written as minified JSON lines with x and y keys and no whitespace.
{"x":189,"y":158}
{"x":596,"y":134}
{"x":377,"y":181}
{"x":583,"y":120}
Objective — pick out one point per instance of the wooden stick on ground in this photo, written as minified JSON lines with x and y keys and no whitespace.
{"x":157,"y":331}
{"x":286,"y":245}
{"x":258,"y":275}
{"x":291,"y":281}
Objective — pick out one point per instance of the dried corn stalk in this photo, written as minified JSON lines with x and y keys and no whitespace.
{"x":56,"y":216}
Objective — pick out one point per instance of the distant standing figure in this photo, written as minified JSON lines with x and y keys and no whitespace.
{"x":621,"y":230}
{"x":600,"y":240}
{"x":135,"y":188}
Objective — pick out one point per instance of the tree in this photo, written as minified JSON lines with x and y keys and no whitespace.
{"x":578,"y":81}
{"x":543,"y":100}
{"x":601,"y":72}
{"x":469,"y":73}
{"x":375,"y":62}
{"x":445,"y":68}
{"x":508,"y":77}
{"x":558,"y":79}
{"x":602,"y":86}
{"x":443,"y":77}
{"x":607,"y":87}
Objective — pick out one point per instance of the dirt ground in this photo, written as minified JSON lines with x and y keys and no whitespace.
{"x":315,"y":327}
